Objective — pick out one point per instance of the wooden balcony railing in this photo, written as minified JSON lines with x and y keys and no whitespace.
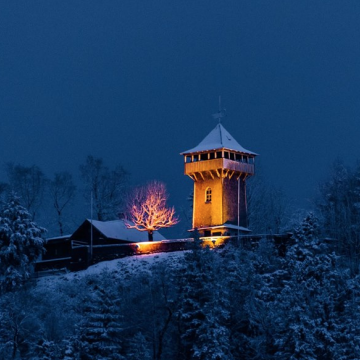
{"x":217,"y":164}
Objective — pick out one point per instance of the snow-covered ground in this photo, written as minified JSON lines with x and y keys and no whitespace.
{"x":118,"y":267}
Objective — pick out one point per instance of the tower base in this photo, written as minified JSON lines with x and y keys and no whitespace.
{"x":222,"y":230}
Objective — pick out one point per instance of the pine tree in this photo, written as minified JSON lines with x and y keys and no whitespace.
{"x":309,"y":310}
{"x":213,"y":333}
{"x":203,"y":306}
{"x":48,"y":350}
{"x":21,"y":244}
{"x":239,"y":274}
{"x":348,"y":345}
{"x":258,"y":280}
{"x":139,"y":348}
{"x":99,"y":334}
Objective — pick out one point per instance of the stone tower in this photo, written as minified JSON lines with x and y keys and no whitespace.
{"x":219,"y":166}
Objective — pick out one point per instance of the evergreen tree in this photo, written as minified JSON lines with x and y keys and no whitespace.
{"x":21,"y":244}
{"x":309,"y":310}
{"x":239,"y":274}
{"x":348,"y":345}
{"x":48,"y":350}
{"x":57,"y":322}
{"x":213,"y":333}
{"x":99,"y":334}
{"x":203,"y":309}
{"x":258,"y":278}
{"x":139,"y":348}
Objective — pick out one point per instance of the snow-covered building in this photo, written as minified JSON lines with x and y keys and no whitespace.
{"x":57,"y":247}
{"x":106,"y":239}
{"x":109,"y":233}
{"x":219,"y":167}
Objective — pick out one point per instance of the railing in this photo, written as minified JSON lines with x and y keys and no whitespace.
{"x":216,"y":164}
{"x":80,"y":255}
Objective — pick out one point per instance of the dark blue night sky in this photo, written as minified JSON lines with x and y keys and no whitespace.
{"x":136,"y":82}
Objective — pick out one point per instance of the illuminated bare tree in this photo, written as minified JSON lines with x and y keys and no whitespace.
{"x":147,"y":209}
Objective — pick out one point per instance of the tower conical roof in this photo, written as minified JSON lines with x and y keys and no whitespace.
{"x":218,"y":138}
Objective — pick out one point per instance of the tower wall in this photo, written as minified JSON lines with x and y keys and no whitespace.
{"x":224,"y":202}
{"x":208,"y":214}
{"x":230,"y":201}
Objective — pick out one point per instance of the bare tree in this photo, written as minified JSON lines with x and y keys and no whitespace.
{"x":147,"y":210}
{"x":3,"y":190}
{"x":338,"y":204}
{"x":62,"y":191}
{"x":107,"y":186}
{"x":20,"y":326}
{"x":29,"y":183}
{"x":268,"y":207}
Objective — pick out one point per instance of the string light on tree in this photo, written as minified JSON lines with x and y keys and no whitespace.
{"x":147,"y":210}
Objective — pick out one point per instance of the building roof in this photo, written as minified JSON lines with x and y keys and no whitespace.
{"x":218,"y":138}
{"x":116,"y":229}
{"x":58,"y":238}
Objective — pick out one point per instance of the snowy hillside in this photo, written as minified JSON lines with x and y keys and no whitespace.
{"x":124,"y":267}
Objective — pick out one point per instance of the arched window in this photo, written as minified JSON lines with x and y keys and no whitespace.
{"x":208,"y":195}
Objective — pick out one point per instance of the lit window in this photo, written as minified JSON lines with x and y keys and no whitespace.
{"x":208,"y":195}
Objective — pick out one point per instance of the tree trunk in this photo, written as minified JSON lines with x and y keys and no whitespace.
{"x":162,"y":334}
{"x":60,"y":223}
{"x":150,"y":235}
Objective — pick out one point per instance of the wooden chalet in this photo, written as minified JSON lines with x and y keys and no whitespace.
{"x":112,"y":232}
{"x":57,"y":247}
{"x":110,"y":239}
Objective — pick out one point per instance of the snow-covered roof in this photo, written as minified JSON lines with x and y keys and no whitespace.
{"x":116,"y":229}
{"x":55,"y":238}
{"x":218,"y":138}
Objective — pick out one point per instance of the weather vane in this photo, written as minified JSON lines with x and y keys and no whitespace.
{"x":221,"y":113}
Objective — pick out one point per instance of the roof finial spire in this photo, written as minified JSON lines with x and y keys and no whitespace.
{"x":221,"y":113}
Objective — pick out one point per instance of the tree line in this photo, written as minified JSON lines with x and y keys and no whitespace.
{"x":336,"y":204}
{"x":54,"y":201}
